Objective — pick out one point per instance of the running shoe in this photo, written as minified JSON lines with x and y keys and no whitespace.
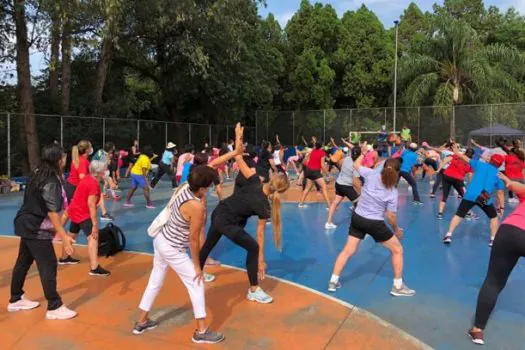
{"x":129,"y":204}
{"x":99,"y":271}
{"x":146,"y":326}
{"x":330,"y":226}
{"x":471,"y":216}
{"x":476,"y":337}
{"x":116,"y":198}
{"x":150,"y":206}
{"x":432,"y":195}
{"x":418,"y":203}
{"x":440,"y":216}
{"x":302,"y":205}
{"x":68,"y":261}
{"x":208,"y":277}
{"x":208,"y":337}
{"x":62,"y":313}
{"x":447,"y":239}
{"x":332,"y":286}
{"x":259,"y":296}
{"x":106,"y":217}
{"x":22,"y":304}
{"x":404,"y":291}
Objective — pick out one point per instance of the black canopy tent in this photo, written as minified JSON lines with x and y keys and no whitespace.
{"x":496,"y":130}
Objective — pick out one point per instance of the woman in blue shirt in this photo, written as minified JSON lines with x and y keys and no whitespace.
{"x":409,"y":160}
{"x":166,"y":165}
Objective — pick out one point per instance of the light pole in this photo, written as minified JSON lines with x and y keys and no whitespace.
{"x":395,"y":76}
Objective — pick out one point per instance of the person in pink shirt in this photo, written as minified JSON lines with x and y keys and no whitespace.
{"x":371,"y":156}
{"x":186,"y":157}
{"x":509,"y":247}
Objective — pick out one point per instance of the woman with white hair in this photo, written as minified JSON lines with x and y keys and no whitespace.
{"x":82,"y":212}
{"x":409,"y":159}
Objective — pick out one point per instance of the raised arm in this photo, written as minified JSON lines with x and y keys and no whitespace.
{"x":245,"y":170}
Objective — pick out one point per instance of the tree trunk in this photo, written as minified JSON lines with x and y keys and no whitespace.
{"x":102,"y":72}
{"x":66,"y":63}
{"x":54,"y":61}
{"x":25,"y":93}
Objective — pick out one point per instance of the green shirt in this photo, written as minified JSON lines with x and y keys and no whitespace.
{"x":405,"y":134}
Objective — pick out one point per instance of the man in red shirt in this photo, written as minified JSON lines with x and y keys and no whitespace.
{"x":82,"y":212}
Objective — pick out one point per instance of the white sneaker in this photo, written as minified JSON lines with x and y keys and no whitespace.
{"x":22,"y":304}
{"x":302,"y":205}
{"x":330,"y":226}
{"x":62,"y":313}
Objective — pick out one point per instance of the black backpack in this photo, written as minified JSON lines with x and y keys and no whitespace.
{"x":111,"y":240}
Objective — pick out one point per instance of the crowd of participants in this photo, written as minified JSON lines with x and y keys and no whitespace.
{"x":366,"y":173}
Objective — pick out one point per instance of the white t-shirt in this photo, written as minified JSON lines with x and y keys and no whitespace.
{"x":276,"y":158}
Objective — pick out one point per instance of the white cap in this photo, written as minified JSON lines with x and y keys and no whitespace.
{"x":170,"y":145}
{"x":345,"y":149}
{"x":413,"y":145}
{"x":369,"y":147}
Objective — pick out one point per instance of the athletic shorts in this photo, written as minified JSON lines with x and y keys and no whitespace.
{"x":465,"y":206}
{"x":86,"y":226}
{"x":313,"y":175}
{"x":360,"y":226}
{"x":137,"y":181}
{"x":346,"y":191}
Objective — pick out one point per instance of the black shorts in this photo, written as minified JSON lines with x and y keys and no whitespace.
{"x":465,"y":206}
{"x":360,"y":226}
{"x":313,"y":175}
{"x":86,"y":226}
{"x":346,"y":191}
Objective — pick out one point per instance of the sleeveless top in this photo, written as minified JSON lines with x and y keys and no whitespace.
{"x":177,"y":229}
{"x":276,"y":157}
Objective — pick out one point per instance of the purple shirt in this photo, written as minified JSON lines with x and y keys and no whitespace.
{"x":375,"y":198}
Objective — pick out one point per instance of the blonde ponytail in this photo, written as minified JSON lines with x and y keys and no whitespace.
{"x":75,"y":157}
{"x":276,"y":220}
{"x":278,"y":184}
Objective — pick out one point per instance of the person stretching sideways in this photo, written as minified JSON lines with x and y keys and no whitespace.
{"x":484,"y":184}
{"x":82,"y":212}
{"x":378,"y":198}
{"x":509,"y":246}
{"x":139,"y":177}
{"x":182,"y":231}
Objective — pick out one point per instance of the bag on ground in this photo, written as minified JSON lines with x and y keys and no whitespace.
{"x":111,"y":240}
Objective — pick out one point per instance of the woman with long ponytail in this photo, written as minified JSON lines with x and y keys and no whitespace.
{"x":378,"y":200}
{"x":79,"y":166}
{"x":231,"y":215}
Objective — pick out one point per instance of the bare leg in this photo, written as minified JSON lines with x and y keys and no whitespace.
{"x":324,"y":191}
{"x":396,"y":249}
{"x":493,"y":227}
{"x":351,"y":246}
{"x":456,"y":220}
{"x":309,"y":184}
{"x":333,"y":207}
{"x":146,"y":195}
{"x":130,"y":193}
{"x":93,"y":252}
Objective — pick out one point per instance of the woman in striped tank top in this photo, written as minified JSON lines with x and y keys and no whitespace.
{"x":181,"y":232}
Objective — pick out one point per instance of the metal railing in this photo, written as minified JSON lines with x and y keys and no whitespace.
{"x":68,"y":130}
{"x":434,"y":125}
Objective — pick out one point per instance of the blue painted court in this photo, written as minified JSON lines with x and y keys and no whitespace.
{"x":447,"y":279}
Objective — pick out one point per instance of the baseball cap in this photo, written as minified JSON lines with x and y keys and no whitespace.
{"x":170,"y":145}
{"x":497,"y":160}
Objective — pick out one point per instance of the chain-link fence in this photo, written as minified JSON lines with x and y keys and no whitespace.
{"x":67,"y":131}
{"x":434,"y":125}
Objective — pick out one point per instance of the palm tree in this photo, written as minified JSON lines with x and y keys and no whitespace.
{"x":454,"y":67}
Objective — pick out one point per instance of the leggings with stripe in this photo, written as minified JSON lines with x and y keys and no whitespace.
{"x":509,"y":246}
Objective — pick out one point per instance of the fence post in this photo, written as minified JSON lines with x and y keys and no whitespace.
{"x":418,"y":124}
{"x":210,"y":143}
{"x":9,"y":145}
{"x":256,"y":127}
{"x":293,"y":128}
{"x":351,"y":121}
{"x":267,"y":138}
{"x":491,"y":110}
{"x":324,"y":125}
{"x":189,"y":134}
{"x":166,"y":133}
{"x":138,"y":131}
{"x":61,"y":131}
{"x":103,"y":132}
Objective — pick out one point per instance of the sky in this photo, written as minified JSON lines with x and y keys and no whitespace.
{"x":386,"y":10}
{"x":283,"y":10}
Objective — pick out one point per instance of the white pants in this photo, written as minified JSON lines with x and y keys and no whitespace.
{"x":180,"y":262}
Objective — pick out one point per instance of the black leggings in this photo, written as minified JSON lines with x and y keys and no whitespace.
{"x":439,"y":177}
{"x":509,"y":246}
{"x":41,"y":251}
{"x":449,"y":182}
{"x":431,"y":163}
{"x":412,"y":182}
{"x":164,"y":169}
{"x":220,"y":226}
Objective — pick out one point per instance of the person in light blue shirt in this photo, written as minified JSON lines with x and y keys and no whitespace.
{"x":409,"y":159}
{"x":485,"y":183}
{"x":166,"y":165}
